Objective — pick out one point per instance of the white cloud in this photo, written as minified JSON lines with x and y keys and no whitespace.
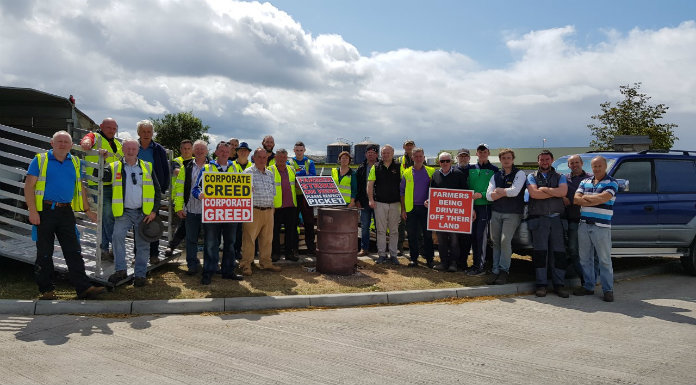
{"x":248,"y":69}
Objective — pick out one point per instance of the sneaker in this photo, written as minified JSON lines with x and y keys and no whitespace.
{"x":501,"y":278}
{"x":92,"y":292}
{"x":117,"y":277}
{"x":541,"y":291}
{"x":430,"y":263}
{"x":608,"y":296}
{"x":48,"y":296}
{"x":381,"y":259}
{"x":394,"y":261}
{"x":139,"y":281}
{"x":233,"y":276}
{"x":475,"y":272}
{"x":579,"y":291}
{"x":562,"y":292}
{"x":492,"y":280}
{"x":169,"y":252}
{"x":413,"y":264}
{"x":440,"y":267}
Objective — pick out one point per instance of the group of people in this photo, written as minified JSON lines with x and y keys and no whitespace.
{"x":391,"y":192}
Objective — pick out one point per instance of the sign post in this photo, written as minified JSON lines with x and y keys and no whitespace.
{"x":450,"y":210}
{"x":227,"y":197}
{"x":320,"y":191}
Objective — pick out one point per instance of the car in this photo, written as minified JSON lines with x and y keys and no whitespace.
{"x":655,"y":208}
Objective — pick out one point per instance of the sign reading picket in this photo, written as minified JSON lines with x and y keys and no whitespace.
{"x":320,"y":191}
{"x":450,"y":210}
{"x":227,"y":197}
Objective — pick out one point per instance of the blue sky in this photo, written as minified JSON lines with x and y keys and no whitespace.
{"x":445,"y":73}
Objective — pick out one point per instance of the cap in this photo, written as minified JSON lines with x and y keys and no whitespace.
{"x":482,"y":146}
{"x":152,"y":231}
{"x":463,"y":151}
{"x":409,"y":142}
{"x":243,"y":145}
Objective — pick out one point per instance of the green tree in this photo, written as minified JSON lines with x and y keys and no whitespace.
{"x":632,"y":116}
{"x":173,"y":128}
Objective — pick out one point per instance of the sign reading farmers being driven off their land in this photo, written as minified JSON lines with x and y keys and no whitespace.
{"x":450,"y":210}
{"x":227,"y":197}
{"x":320,"y":191}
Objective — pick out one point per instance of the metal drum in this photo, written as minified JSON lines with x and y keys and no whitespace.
{"x":337,"y":240}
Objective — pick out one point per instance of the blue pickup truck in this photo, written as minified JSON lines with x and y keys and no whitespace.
{"x":655,"y":209}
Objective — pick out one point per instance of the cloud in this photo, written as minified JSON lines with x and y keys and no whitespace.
{"x":248,"y":69}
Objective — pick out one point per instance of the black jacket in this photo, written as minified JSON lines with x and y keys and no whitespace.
{"x":361,"y":174}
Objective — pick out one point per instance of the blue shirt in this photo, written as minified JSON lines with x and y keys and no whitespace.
{"x":60,"y":178}
{"x":302,"y":168}
{"x":600,"y":214}
{"x":147,"y":154}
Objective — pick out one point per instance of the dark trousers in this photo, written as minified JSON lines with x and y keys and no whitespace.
{"x":211,"y":252}
{"x":417,"y":227}
{"x":448,"y":246}
{"x":308,"y":218}
{"x":193,"y":228}
{"x":58,"y":222}
{"x":479,"y":235}
{"x":463,"y":250}
{"x":547,"y":234}
{"x":179,"y":235}
{"x":286,"y":216}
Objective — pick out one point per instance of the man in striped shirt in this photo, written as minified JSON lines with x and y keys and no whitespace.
{"x":596,"y":196}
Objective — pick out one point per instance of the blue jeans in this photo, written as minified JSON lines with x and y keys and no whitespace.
{"x":193,"y":228}
{"x":211,"y":252}
{"x":503,"y":227}
{"x":107,"y":218}
{"x":593,"y":239}
{"x":131,"y":218}
{"x":366,"y":216}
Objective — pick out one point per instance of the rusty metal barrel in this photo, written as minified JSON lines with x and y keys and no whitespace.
{"x":337,"y":240}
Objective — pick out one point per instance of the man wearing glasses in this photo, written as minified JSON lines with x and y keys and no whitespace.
{"x":463,"y":165}
{"x":135,"y":199}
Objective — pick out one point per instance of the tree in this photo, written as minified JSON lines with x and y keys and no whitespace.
{"x":173,"y":128}
{"x":632,"y":116}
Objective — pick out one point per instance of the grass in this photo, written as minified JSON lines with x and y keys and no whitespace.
{"x":171,"y":282}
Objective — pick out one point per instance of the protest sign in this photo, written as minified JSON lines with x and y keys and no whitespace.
{"x":320,"y":191}
{"x":227,"y":197}
{"x":450,"y":210}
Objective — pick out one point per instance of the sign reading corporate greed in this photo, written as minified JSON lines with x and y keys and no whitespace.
{"x":227,"y":197}
{"x":450,"y":210}
{"x":320,"y":191}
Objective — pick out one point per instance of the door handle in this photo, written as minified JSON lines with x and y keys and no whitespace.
{"x":648,"y":209}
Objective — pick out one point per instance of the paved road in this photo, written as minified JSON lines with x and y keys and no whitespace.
{"x":647,"y":336}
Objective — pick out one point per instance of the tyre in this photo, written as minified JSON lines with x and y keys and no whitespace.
{"x":689,"y":261}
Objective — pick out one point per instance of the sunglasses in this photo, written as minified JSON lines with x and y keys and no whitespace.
{"x":445,"y":161}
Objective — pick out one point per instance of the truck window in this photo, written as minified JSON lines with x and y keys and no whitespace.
{"x":674,"y":176}
{"x":638,"y":174}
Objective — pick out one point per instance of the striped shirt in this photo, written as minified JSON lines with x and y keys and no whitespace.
{"x":600,"y":214}
{"x":263,"y":186}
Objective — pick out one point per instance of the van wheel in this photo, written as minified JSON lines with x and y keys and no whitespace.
{"x":689,"y":261}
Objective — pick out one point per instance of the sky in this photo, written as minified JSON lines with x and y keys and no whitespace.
{"x":445,"y":73}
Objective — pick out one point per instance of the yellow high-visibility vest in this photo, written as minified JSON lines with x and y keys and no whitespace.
{"x":40,"y":187}
{"x":278,"y":199}
{"x":408,"y":193}
{"x":343,"y":185}
{"x":99,"y":143}
{"x":239,"y":168}
{"x":148,"y":188}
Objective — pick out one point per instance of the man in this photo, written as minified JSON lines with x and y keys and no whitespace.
{"x":384,"y":197}
{"x":463,"y":159}
{"x":405,"y":161}
{"x":53,"y":189}
{"x":213,"y":231}
{"x":234,"y":143}
{"x":414,"y":187}
{"x":596,"y":197}
{"x":263,"y":192}
{"x":506,"y":191}
{"x":268,"y":143}
{"x":448,"y":243}
{"x":186,"y":150}
{"x":189,"y":207}
{"x":285,"y":204}
{"x":136,"y":199}
{"x":367,"y":213}
{"x":479,"y":176}
{"x":304,"y":166}
{"x":572,"y":213}
{"x":546,"y":191}
{"x":241,"y":163}
{"x":153,"y":152}
{"x":104,"y":141}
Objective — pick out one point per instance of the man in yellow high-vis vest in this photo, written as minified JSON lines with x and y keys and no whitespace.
{"x":415,"y":184}
{"x":53,"y":190}
{"x":135,"y":201}
{"x":285,"y":203}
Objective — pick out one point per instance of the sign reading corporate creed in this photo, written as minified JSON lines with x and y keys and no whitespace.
{"x":227,"y":197}
{"x":450,"y":210}
{"x":320,"y":191}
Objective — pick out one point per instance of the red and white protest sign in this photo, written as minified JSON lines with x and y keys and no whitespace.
{"x":450,"y":210}
{"x":320,"y":191}
{"x":227,"y":197}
